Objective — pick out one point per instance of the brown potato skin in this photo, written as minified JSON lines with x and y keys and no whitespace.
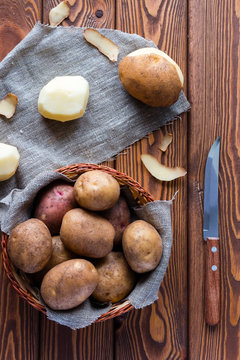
{"x":86,"y":233}
{"x":69,"y":284}
{"x":119,"y":216}
{"x":151,"y":79}
{"x":59,"y":254}
{"x":142,"y":246}
{"x":96,"y":190}
{"x":30,"y":246}
{"x":52,"y":203}
{"x":116,"y":279}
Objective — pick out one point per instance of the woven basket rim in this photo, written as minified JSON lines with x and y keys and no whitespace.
{"x":73,"y":171}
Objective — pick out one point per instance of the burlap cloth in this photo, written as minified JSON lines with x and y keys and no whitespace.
{"x":113,"y":120}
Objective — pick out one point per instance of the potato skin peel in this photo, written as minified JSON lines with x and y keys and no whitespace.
{"x":102,"y":43}
{"x":59,"y":13}
{"x":10,"y":101}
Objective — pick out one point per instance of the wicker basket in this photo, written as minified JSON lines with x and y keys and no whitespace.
{"x":19,"y":281}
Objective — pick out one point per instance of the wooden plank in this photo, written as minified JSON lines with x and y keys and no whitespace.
{"x":96,"y":341}
{"x":17,"y":19}
{"x":18,"y":324}
{"x":159,"y":331}
{"x":95,"y":14}
{"x":59,"y":342}
{"x":18,"y":320}
{"x":214,"y":84}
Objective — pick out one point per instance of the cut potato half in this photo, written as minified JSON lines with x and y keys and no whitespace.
{"x":59,"y":13}
{"x":159,"y":171}
{"x":9,"y":160}
{"x":106,"y":46}
{"x":8,"y":105}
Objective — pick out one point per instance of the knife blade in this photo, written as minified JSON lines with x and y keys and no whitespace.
{"x":211,"y":236}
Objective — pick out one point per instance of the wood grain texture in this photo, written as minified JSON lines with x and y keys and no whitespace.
{"x":159,"y":331}
{"x":212,"y":282}
{"x":61,"y":343}
{"x":214,"y":87}
{"x":97,"y":341}
{"x":96,"y":13}
{"x":17,"y":19}
{"x":18,"y":324}
{"x":18,"y":321}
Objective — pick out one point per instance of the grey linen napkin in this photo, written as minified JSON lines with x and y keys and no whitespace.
{"x":113,"y":119}
{"x":18,"y":209}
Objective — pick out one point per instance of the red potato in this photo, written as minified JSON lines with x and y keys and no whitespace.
{"x":119,"y":216}
{"x":52,"y":203}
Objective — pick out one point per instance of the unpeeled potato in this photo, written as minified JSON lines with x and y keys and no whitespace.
{"x":52,"y":202}
{"x":69,"y":284}
{"x":30,"y":245}
{"x":151,"y":76}
{"x":59,"y":254}
{"x":96,"y":190}
{"x":142,"y":246}
{"x":116,"y":279}
{"x":86,"y":233}
{"x":120,"y":217}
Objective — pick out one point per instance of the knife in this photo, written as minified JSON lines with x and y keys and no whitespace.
{"x":211,"y":236}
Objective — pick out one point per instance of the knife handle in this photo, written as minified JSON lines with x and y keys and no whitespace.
{"x":212,"y":282}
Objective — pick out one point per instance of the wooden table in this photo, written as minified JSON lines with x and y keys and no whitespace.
{"x":204,"y":38}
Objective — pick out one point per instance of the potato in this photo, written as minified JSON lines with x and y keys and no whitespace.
{"x":96,"y":190}
{"x":9,"y":160}
{"x":116,"y":279}
{"x":142,"y":246}
{"x":59,"y":254}
{"x":30,"y":245}
{"x":52,"y":203}
{"x":86,"y":233}
{"x":120,"y":217}
{"x":64,"y":98}
{"x":69,"y":284}
{"x":151,"y":76}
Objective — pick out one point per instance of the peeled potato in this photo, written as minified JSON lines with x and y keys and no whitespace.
{"x":151,"y":76}
{"x":9,"y":160}
{"x":64,"y":98}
